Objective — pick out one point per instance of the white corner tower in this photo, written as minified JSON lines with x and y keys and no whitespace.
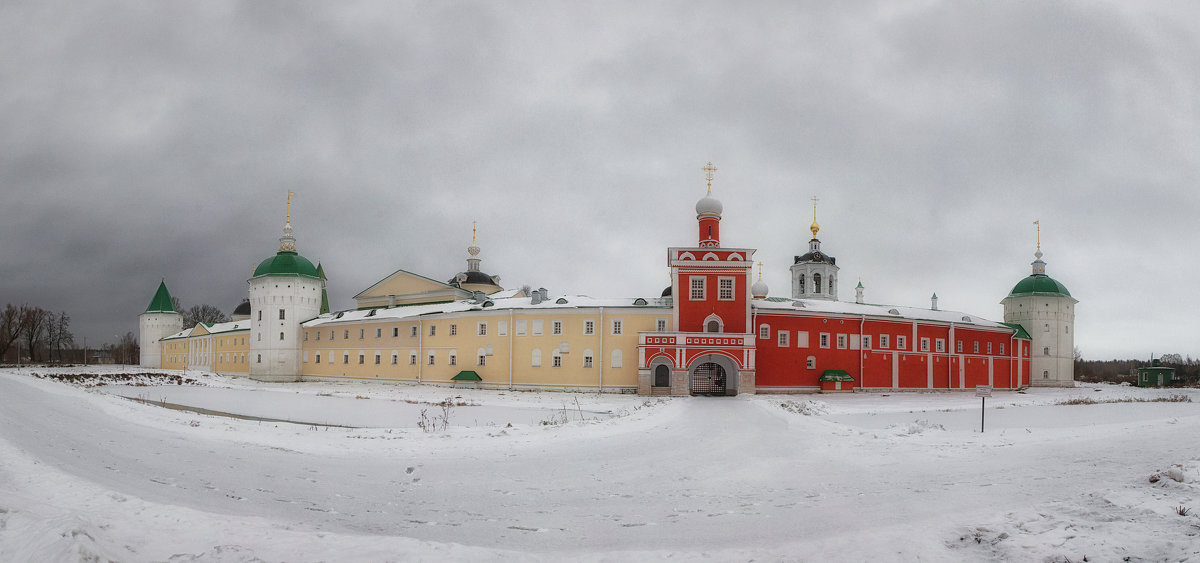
{"x":1046,"y":310}
{"x":814,"y":275}
{"x":159,"y":321}
{"x":285,"y":291}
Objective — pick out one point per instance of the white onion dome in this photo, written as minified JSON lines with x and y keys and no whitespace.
{"x":759,"y":289}
{"x":709,"y":205}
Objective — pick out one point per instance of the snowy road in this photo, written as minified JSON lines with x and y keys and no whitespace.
{"x":734,"y":476}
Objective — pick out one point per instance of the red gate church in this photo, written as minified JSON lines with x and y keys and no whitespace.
{"x":732,"y":338}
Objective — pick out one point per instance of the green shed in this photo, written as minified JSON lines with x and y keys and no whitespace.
{"x":1155,"y":376}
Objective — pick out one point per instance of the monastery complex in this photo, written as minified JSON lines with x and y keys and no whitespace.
{"x":714,"y":331}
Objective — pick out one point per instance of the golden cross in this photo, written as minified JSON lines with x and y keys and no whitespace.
{"x":473,"y":223}
{"x":289,"y":205}
{"x":815,"y":200}
{"x":708,"y":174}
{"x":1039,"y":233}
{"x":760,"y":271}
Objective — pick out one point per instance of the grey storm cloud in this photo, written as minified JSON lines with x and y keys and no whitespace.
{"x":141,"y":141}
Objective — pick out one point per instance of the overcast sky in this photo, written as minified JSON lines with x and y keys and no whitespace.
{"x":154,"y":140}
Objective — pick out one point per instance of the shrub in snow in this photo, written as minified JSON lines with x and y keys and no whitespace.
{"x":806,"y":408}
{"x":915,"y":427}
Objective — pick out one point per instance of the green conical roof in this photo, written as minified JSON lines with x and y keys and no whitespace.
{"x":1039,"y":284}
{"x":162,"y":300}
{"x":321,"y":271}
{"x":324,"y":302}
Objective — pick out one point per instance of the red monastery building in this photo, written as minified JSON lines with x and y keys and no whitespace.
{"x":732,"y":338}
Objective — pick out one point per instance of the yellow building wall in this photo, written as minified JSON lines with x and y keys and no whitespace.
{"x":349,"y":349}
{"x":231,"y":352}
{"x":226,"y":352}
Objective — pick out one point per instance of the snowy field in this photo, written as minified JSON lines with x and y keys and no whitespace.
{"x":86,"y":474}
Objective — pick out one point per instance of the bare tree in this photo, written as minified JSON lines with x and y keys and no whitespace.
{"x":206,"y":314}
{"x":34,"y":321}
{"x":62,"y":337}
{"x":10,"y":328}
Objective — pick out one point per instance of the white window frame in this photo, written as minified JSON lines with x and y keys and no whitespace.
{"x":939,"y":345}
{"x":924,"y":343}
{"x":617,"y":327}
{"x":802,"y":339}
{"x":589,"y":327}
{"x":660,"y":325}
{"x":901,"y":342}
{"x":519,"y":327}
{"x":481,"y":328}
{"x":412,"y":333}
{"x":538,"y":326}
{"x":697,"y":286}
{"x":722,"y":291}
{"x":764,"y":331}
{"x":556,"y":327}
{"x":842,"y":342}
{"x":782,"y":338}
{"x":535,"y":357}
{"x":811,"y":362}
{"x":453,"y":330}
{"x":824,"y":340}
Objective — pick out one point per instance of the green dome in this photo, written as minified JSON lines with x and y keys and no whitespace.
{"x":285,"y":263}
{"x":1039,"y":284}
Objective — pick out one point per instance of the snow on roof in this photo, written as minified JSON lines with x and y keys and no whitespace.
{"x":217,"y":328}
{"x":492,"y":303}
{"x":885,"y":311}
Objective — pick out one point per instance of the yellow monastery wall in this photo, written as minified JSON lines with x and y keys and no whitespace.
{"x":226,"y":352}
{"x":231,"y":352}
{"x":507,"y":345}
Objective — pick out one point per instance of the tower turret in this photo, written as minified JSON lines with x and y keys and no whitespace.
{"x":160,"y":320}
{"x":473,"y":279}
{"x":1046,"y":310}
{"x":285,"y":290}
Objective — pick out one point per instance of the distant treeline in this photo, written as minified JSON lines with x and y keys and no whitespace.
{"x":1116,"y":371}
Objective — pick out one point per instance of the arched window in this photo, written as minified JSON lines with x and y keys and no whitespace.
{"x":587,"y":358}
{"x":832,"y":281}
{"x":713,"y":326}
{"x":1045,"y":375}
{"x":816,"y":283}
{"x":800,"y":284}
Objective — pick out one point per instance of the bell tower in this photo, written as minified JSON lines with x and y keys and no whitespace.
{"x":814,"y":274}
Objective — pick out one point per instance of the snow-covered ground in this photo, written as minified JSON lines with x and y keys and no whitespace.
{"x":86,"y":474}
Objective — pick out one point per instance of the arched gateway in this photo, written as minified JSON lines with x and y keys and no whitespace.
{"x":713,"y":375}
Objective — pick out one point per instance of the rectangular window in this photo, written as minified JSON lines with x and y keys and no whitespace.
{"x":305,"y":337}
{"x":361,"y":333}
{"x":379,"y":333}
{"x":989,"y":347}
{"x":412,"y":358}
{"x":431,"y":357}
{"x":811,"y":363}
{"x":377,"y":359}
{"x":866,"y":342}
{"x":361,"y":358}
{"x":318,"y":336}
{"x":519,"y":327}
{"x":453,"y":359}
{"x":616,"y":325}
{"x":841,"y":341}
{"x":482,"y":360}
{"x":940,"y":345}
{"x":260,"y":318}
{"x":924,"y":344}
{"x":725,"y":289}
{"x":589,"y":327}
{"x":502,"y":328}
{"x":958,"y":347}
{"x":1001,"y":347}
{"x":453,"y":330}
{"x":824,"y":339}
{"x":587,"y":361}
{"x":557,"y":361}
{"x":660,"y":325}
{"x":346,"y":334}
{"x":783,"y":338}
{"x":481,"y":329}
{"x":764,"y":332}
{"x":976,"y":346}
{"x":412,"y":332}
{"x":697,"y":288}
{"x":556,"y":327}
{"x":395,"y":358}
{"x":318,"y":357}
{"x":432,"y":330}
{"x":345,"y":358}
{"x":802,"y":339}
{"x":281,"y":314}
{"x":538,"y":326}
{"x":901,"y":342}
{"x":395,"y":331}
